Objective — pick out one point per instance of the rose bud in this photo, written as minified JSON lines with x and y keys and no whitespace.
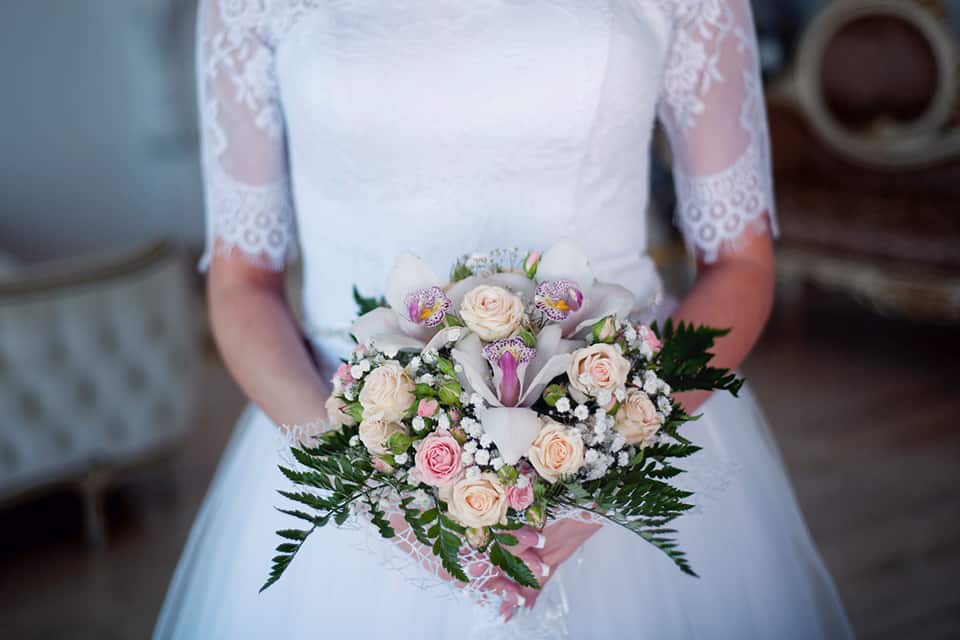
{"x":536,"y":516}
{"x":381,"y":464}
{"x":530,"y":264}
{"x":605,"y":330}
{"x":553,"y":393}
{"x":459,"y":434}
{"x":399,"y":442}
{"x":508,"y":475}
{"x":478,"y":538}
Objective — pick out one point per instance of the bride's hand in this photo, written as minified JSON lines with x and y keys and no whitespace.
{"x":562,"y":538}
{"x":529,"y":548}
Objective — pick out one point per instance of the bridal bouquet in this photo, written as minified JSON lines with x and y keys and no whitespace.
{"x":517,"y":393}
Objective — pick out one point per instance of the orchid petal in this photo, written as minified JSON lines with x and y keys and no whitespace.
{"x":552,"y":368}
{"x":444,"y":337}
{"x":476,"y":372}
{"x":390,"y":342}
{"x":566,"y":260}
{"x":409,"y":274}
{"x":379,"y":321}
{"x":509,"y":384}
{"x":512,"y":429}
{"x":605,"y":300}
{"x":388,"y":330}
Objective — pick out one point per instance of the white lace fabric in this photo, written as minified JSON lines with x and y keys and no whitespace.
{"x":712,"y":108}
{"x":710,"y":103}
{"x":248,"y":197}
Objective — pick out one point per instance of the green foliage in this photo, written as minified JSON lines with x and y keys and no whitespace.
{"x":332,"y":476}
{"x":637,"y":497}
{"x":366,"y":305}
{"x":685,"y":355}
{"x":514,"y":567}
{"x":336,"y":476}
{"x":417,"y":520}
{"x":446,"y":545}
{"x":460,"y":272}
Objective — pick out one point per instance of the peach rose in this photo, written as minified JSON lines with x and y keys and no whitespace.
{"x":479,"y":502}
{"x":636,"y":419}
{"x":493,"y":313}
{"x":557,"y":451}
{"x":335,"y":413}
{"x":596,"y":368}
{"x":374,"y":431}
{"x":387,"y":391}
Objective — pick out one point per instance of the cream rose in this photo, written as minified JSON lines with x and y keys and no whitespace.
{"x":478,"y":502}
{"x":492,"y":312}
{"x":335,"y":413}
{"x":374,"y":431}
{"x":557,"y":451}
{"x":636,"y":419}
{"x":387,"y":391}
{"x":599,"y":367}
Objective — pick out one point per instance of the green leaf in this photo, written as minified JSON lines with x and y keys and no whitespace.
{"x":422,"y":390}
{"x":446,"y":367}
{"x":506,"y":538}
{"x":514,"y":567}
{"x":293,"y":534}
{"x":684,"y":356}
{"x":366,"y":305}
{"x":460,"y":272}
{"x":449,"y":393}
{"x":355,"y":411}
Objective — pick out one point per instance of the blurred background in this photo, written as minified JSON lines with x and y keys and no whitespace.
{"x":115,"y":407}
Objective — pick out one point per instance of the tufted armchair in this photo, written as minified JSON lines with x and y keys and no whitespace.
{"x":98,"y":371}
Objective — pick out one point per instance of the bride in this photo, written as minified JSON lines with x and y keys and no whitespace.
{"x":352,"y":130}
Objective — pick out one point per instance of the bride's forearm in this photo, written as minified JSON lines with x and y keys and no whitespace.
{"x":735,"y":292}
{"x":261,"y":344}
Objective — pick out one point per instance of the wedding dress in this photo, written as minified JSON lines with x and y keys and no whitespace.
{"x":350,"y":130}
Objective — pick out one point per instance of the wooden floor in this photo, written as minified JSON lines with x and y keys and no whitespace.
{"x":865,"y":411}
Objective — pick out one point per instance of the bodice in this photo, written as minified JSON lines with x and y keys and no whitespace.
{"x":356,"y":129}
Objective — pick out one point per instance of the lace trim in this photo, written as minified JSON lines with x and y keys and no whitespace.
{"x":713,"y":211}
{"x":255,"y":221}
{"x":693,"y":65}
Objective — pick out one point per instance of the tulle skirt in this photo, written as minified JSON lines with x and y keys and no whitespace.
{"x":760,"y":573}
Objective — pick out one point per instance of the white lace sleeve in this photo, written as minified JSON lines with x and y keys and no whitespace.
{"x":249,"y":208}
{"x":711,"y":106}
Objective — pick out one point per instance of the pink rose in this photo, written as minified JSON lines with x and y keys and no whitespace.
{"x":520,"y":498}
{"x":427,"y":407}
{"x":648,"y":336}
{"x":438,"y":460}
{"x":343,"y":373}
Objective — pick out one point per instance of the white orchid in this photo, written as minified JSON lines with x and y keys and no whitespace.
{"x":418,"y":306}
{"x":569,"y":294}
{"x":510,"y":376}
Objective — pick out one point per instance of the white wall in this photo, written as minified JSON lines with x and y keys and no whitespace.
{"x":97,"y":130}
